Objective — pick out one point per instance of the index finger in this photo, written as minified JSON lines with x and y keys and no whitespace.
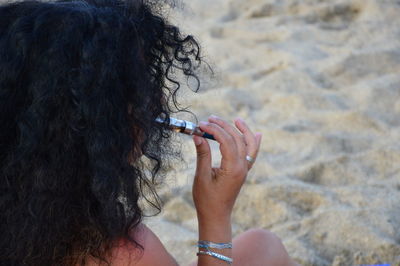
{"x":227,"y":144}
{"x":237,"y":136}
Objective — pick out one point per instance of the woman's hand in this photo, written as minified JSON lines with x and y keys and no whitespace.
{"x":215,"y":189}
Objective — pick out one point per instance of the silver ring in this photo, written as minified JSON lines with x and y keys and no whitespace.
{"x":249,"y":159}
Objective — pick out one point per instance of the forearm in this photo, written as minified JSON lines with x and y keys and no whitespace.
{"x":215,"y":189}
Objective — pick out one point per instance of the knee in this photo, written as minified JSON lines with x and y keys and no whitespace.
{"x":264,"y":237}
{"x":262,"y":234}
{"x":267,"y":245}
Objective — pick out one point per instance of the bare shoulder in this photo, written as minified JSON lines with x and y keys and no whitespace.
{"x":153,"y":253}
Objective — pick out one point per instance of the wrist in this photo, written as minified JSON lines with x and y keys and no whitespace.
{"x":215,"y":217}
{"x":216,"y":230}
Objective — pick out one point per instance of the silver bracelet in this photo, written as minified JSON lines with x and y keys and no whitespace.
{"x":208,"y":244}
{"x":216,"y":255}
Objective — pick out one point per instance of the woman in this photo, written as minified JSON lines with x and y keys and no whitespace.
{"x":81,"y":84}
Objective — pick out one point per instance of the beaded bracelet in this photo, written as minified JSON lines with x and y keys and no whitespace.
{"x":209,"y":244}
{"x":216,"y":255}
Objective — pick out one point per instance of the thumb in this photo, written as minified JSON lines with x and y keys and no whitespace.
{"x":203,"y":151}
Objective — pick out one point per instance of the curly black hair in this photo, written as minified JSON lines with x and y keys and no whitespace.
{"x":81,"y":83}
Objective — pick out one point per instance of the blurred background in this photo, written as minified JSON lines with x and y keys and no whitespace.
{"x":321,"y":80}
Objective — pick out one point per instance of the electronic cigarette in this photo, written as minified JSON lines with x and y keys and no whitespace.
{"x":185,"y":127}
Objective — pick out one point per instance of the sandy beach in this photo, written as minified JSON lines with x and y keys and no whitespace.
{"x":321,"y":80}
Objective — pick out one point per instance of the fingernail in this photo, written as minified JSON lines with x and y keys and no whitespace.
{"x":204,"y":124}
{"x":213,"y":117}
{"x":240,"y":120}
{"x":197,"y":140}
{"x":259,"y":135}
